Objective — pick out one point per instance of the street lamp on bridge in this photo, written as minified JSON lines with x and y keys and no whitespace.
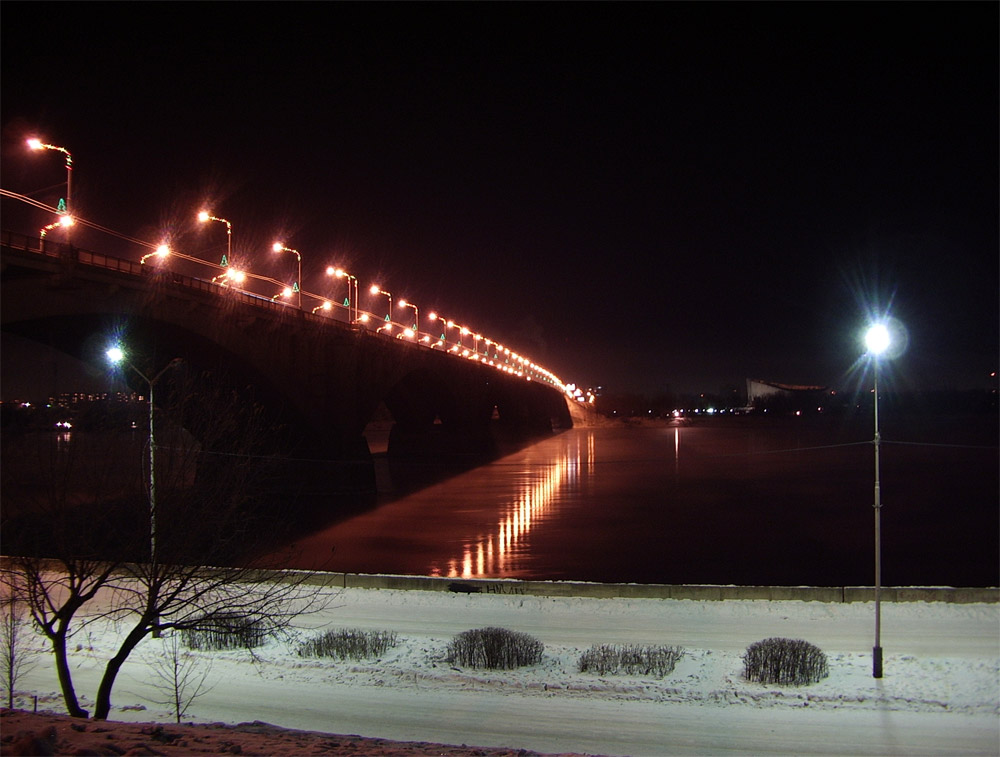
{"x":64,"y":220}
{"x":161,"y":252}
{"x":297,"y":287}
{"x":376,"y":289}
{"x":340,"y":273}
{"x":204,"y":216}
{"x":416,"y":316}
{"x":37,"y":144}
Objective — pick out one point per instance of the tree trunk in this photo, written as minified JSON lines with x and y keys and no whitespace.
{"x":102,"y":706}
{"x":65,"y":676}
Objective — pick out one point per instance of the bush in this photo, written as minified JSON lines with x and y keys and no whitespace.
{"x":607,"y":659}
{"x":494,"y":648}
{"x":225,"y":631}
{"x":353,"y":643}
{"x":784,"y":661}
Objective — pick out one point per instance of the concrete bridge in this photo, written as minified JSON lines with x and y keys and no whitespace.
{"x":320,"y":379}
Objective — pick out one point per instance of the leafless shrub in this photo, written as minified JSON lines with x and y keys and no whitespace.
{"x":225,"y":631}
{"x":351,"y":643}
{"x":494,"y":648}
{"x":784,"y":661}
{"x":604,"y":659}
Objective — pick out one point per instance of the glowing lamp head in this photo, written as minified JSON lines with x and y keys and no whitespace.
{"x":115,"y":355}
{"x":286,"y":292}
{"x":35,"y":144}
{"x":277,"y":246}
{"x":877,"y":339}
{"x":433,"y":316}
{"x":327,"y":306}
{"x":203,"y":216}
{"x":402,"y":303}
{"x":236,"y":276}
{"x":374,"y":289}
{"x":66,"y":220}
{"x":163,"y":251}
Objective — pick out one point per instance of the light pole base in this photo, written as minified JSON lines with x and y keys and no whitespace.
{"x":876,"y":662}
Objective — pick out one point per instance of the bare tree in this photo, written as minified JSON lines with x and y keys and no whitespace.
{"x":212,"y":465}
{"x":181,"y":676}
{"x":16,"y":660}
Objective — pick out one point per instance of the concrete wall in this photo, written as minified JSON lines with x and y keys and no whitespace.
{"x":658,"y":591}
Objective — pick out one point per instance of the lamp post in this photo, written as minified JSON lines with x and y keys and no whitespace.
{"x":375,"y":289}
{"x":877,"y":340}
{"x":204,"y":216}
{"x":37,"y":144}
{"x":340,"y":273}
{"x":280,"y":247}
{"x":416,"y":316}
{"x":161,"y":252}
{"x":444,"y":327}
{"x":117,"y":356}
{"x":64,"y":220}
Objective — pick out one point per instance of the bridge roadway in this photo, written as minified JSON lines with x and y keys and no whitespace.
{"x":319,"y":379}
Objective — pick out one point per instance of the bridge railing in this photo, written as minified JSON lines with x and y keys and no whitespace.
{"x":48,"y":248}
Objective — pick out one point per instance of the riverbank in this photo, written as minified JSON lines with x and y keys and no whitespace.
{"x":940,"y":693}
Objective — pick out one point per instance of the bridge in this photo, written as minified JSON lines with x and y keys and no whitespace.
{"x":320,"y":378}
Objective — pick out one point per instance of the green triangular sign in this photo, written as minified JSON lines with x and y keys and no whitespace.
{"x":295,"y":287}
{"x":386,"y":317}
{"x":61,"y":207}
{"x":347,"y":303}
{"x":225,"y":261}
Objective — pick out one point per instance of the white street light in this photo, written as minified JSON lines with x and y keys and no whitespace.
{"x":116,"y":355}
{"x":280,"y":247}
{"x":204,"y":216}
{"x":877,"y":341}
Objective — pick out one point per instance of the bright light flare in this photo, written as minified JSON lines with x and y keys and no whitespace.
{"x":66,"y":220}
{"x":877,"y":339}
{"x":115,"y":355}
{"x":204,"y":215}
{"x":35,"y":144}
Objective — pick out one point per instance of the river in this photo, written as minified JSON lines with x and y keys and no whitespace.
{"x":720,"y":501}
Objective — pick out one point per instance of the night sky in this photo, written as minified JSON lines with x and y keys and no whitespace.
{"x":643,"y":196}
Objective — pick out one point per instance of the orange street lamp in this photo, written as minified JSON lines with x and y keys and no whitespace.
{"x":161,"y":252}
{"x":375,"y":289}
{"x":64,"y":220}
{"x":204,"y":216}
{"x":340,"y":273}
{"x":416,"y":314}
{"x":325,"y":306}
{"x":37,"y":144}
{"x":297,"y":287}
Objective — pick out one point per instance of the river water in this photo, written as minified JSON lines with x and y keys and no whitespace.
{"x":735,"y":501}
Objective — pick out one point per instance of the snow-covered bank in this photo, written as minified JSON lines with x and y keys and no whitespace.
{"x":940,"y":693}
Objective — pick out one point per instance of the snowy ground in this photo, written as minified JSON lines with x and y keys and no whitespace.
{"x":940,"y":693}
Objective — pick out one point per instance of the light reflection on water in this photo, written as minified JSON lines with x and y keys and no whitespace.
{"x":707,"y":503}
{"x":536,"y":502}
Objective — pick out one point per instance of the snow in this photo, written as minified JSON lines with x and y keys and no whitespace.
{"x":940,"y":693}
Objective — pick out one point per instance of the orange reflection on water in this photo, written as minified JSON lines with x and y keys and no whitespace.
{"x":534,"y":503}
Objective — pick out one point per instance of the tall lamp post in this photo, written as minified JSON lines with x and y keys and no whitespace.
{"x":280,"y":247}
{"x":416,"y":316}
{"x":116,"y":355}
{"x":204,"y":216}
{"x":376,"y":289}
{"x":877,"y":340}
{"x":37,"y":144}
{"x":340,"y":273}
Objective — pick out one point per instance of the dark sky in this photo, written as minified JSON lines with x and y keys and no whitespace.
{"x":644,"y":196}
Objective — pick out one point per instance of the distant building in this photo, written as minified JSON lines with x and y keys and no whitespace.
{"x":772,"y":393}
